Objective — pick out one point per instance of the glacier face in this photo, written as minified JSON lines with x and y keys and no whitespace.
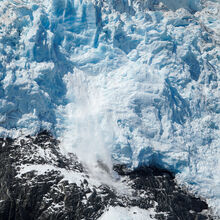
{"x":135,"y":81}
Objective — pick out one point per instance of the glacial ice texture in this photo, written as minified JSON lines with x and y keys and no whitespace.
{"x":129,"y":81}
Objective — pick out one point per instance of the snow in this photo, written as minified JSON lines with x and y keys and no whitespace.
{"x":120,"y":186}
{"x":134,"y":82}
{"x":133,"y":213}
{"x":71,"y":176}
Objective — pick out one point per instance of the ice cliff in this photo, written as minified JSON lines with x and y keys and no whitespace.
{"x":129,"y":81}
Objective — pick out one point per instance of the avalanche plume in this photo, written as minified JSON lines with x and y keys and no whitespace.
{"x":134,"y":82}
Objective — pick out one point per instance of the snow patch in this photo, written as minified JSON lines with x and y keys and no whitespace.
{"x":71,"y":176}
{"x":117,"y":81}
{"x":133,"y":213}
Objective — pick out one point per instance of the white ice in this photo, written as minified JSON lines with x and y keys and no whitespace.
{"x":134,"y":82}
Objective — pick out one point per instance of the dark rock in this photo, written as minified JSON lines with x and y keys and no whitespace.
{"x":171,"y":199}
{"x":38,"y":195}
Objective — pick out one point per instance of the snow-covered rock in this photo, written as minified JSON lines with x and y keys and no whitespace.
{"x":40,"y":183}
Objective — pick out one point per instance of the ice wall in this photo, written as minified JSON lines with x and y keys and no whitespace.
{"x":148,"y":82}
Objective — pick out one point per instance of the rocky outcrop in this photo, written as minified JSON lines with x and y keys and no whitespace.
{"x":39,"y":183}
{"x":159,"y":185}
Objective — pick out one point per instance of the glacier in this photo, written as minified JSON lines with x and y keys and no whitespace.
{"x":125,"y":81}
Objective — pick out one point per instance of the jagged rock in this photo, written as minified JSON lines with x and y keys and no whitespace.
{"x":30,"y":192}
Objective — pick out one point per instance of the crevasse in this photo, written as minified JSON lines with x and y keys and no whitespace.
{"x":147,"y":76}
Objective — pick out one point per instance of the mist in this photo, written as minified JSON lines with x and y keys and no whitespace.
{"x":89,"y":128}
